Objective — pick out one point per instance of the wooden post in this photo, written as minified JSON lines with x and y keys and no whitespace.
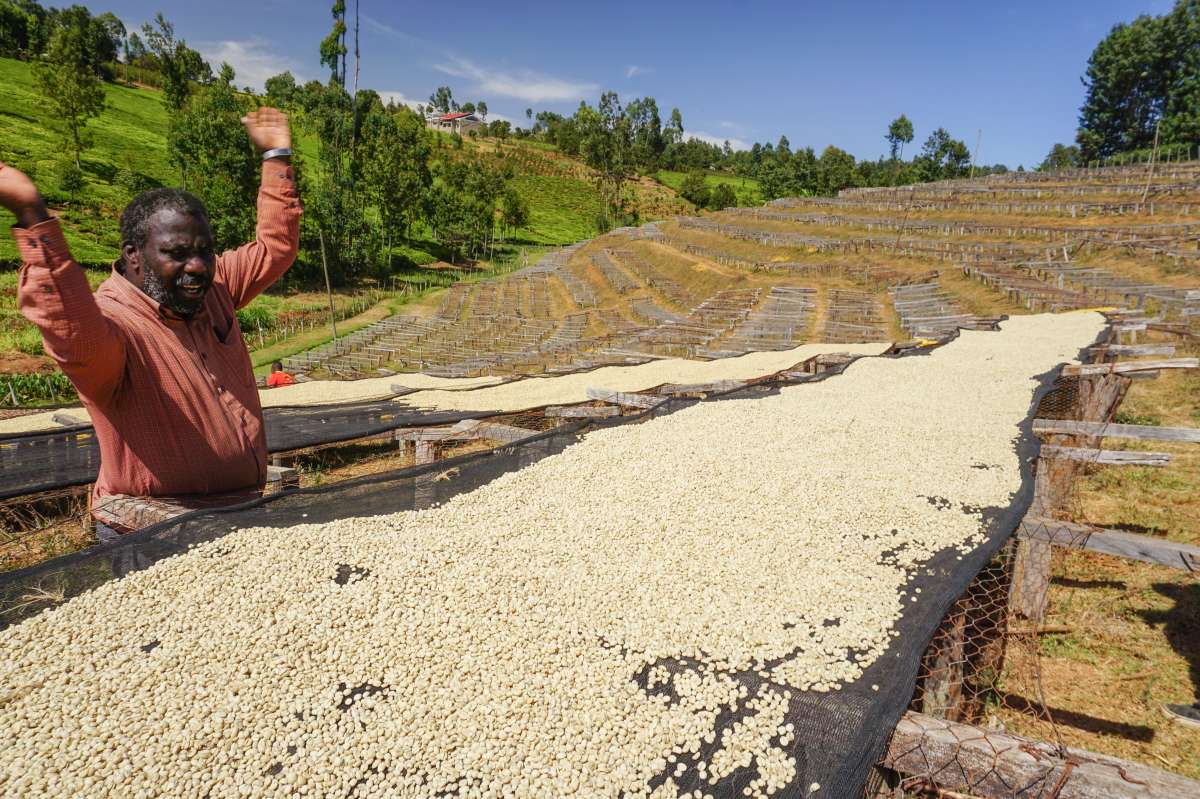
{"x":426,"y":452}
{"x":1097,"y":399}
{"x":328,"y":288}
{"x":954,"y":757}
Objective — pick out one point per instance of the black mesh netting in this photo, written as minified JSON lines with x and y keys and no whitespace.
{"x":839,"y":735}
{"x":44,"y":461}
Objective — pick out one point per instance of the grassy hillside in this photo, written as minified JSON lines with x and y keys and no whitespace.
{"x":129,"y":153}
{"x":747,"y":189}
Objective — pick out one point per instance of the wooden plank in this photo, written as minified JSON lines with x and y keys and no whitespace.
{"x":276,"y":474}
{"x":493,"y":431}
{"x":1134,"y":349}
{"x":281,"y":477}
{"x":701,"y":388}
{"x":431,"y":434}
{"x":1107,"y":457}
{"x":961,"y":757}
{"x":1129,"y":366}
{"x":1114,"y":430}
{"x":624,"y":398}
{"x":1111,"y":542}
{"x":582,"y":411}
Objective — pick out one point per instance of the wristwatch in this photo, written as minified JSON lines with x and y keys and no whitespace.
{"x":276,"y":153}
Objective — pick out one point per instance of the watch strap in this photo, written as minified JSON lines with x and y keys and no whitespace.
{"x":277,"y":152}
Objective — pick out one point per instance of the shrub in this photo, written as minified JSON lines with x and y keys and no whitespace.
{"x":70,"y":178}
{"x":694,"y":189}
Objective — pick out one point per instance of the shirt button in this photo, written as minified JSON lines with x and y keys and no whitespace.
{"x":221,"y":389}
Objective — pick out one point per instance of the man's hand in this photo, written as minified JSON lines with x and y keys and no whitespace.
{"x":268,"y":129}
{"x":20,"y":197}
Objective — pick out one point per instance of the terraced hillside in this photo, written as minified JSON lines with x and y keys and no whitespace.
{"x":873,"y":264}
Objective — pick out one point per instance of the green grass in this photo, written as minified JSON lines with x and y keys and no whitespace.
{"x":562,"y":210}
{"x":128,"y":153}
{"x":129,"y":136}
{"x":747,"y":189}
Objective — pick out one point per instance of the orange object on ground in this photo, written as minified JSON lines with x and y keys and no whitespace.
{"x":277,"y":379}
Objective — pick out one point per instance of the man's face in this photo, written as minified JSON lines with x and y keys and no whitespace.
{"x":176,"y":265}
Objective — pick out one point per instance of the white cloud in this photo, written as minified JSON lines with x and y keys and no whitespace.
{"x":633,"y":70}
{"x":736,"y":128}
{"x":399,"y":98}
{"x":523,"y":84}
{"x":734,"y":142}
{"x":251,"y":59}
{"x":381,"y":26}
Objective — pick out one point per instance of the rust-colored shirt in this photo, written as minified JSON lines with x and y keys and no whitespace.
{"x":277,"y":379}
{"x":173,"y":401}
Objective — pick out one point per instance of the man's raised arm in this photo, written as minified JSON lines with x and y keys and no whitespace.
{"x":253,"y":267}
{"x":54,"y":294}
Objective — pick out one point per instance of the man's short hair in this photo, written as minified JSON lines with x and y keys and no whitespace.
{"x":135,"y":219}
{"x":277,"y":366}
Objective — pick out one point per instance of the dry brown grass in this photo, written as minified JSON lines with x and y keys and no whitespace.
{"x":1135,"y":628}
{"x":36,"y":529}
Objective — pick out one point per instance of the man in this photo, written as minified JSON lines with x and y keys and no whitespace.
{"x":278,"y":377}
{"x":156,"y":353}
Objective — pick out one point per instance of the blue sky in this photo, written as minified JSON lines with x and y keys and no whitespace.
{"x":820,"y":73}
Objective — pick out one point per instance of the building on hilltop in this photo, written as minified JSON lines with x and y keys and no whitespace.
{"x":457,"y":122}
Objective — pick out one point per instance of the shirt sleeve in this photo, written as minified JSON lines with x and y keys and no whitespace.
{"x":251,"y":268}
{"x":54,"y":294}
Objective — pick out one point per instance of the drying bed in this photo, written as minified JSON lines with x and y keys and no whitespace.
{"x":727,"y":600}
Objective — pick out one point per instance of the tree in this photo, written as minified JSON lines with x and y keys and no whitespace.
{"x":835,"y":171}
{"x":722,"y":196}
{"x":178,"y":64}
{"x":1126,"y":81}
{"x":462,"y":204}
{"x":69,"y":86}
{"x":442,"y":100}
{"x":645,"y":131}
{"x":514,"y":210}
{"x":500,"y":128}
{"x":694,"y":189}
{"x":209,"y":145}
{"x":281,"y":89}
{"x":1143,"y":79}
{"x":529,"y":113}
{"x":467,"y":108}
{"x":900,"y":133}
{"x":943,"y":156}
{"x":1181,"y":116}
{"x":604,"y":143}
{"x":108,"y":34}
{"x":1060,"y":157}
{"x":333,"y":47}
{"x":673,"y":133}
{"x":14,"y":30}
{"x":396,"y":167}
{"x":481,"y":109}
{"x":135,"y":51}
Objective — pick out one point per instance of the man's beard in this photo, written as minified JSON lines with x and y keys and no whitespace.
{"x":156,"y":290}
